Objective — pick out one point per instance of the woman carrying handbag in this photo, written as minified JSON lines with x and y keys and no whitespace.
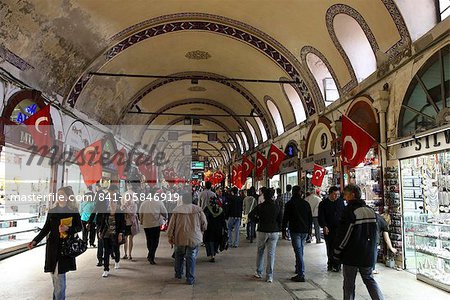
{"x":63,"y":221}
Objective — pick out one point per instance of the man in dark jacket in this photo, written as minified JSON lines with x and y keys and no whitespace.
{"x":330,"y":213}
{"x":356,"y":243}
{"x":234,"y":213}
{"x":298,"y":218}
{"x":269,"y":218}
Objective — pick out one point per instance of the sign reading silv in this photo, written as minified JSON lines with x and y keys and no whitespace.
{"x":426,"y":144}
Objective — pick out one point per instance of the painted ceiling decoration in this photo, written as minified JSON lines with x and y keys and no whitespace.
{"x":246,"y":94}
{"x":59,"y":44}
{"x":267,"y":47}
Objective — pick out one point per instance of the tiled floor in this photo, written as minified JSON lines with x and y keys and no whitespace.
{"x":22,"y":277}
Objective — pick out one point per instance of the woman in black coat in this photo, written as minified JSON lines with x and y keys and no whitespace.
{"x":215,"y":230}
{"x":111,"y":229}
{"x":56,"y":264}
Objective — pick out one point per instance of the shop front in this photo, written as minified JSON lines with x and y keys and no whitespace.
{"x":24,"y":182}
{"x":319,"y":151}
{"x":424,"y":165}
{"x":422,"y":186}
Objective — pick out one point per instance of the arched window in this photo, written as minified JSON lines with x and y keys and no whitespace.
{"x":356,"y":45}
{"x":241,"y":147}
{"x":275,"y":116}
{"x":419,"y":15}
{"x":427,"y":100}
{"x":296,"y":103}
{"x":252,"y":132}
{"x":323,"y":77}
{"x":244,"y":138}
{"x":261,"y":128}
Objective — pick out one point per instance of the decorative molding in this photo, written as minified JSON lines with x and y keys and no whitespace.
{"x":198,"y":55}
{"x":205,"y":102}
{"x":233,"y":85}
{"x":14,"y":59}
{"x":310,"y":49}
{"x":196,"y":88}
{"x":395,"y":53}
{"x":190,"y":21}
{"x":332,"y":12}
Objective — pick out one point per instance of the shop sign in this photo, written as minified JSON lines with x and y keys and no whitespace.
{"x":289,"y":165}
{"x":323,"y":159}
{"x":425,"y":144}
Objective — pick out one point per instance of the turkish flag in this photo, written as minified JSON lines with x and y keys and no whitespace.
{"x":90,"y":161}
{"x":38,"y":126}
{"x":261,"y":163}
{"x":239,"y":179}
{"x":356,"y":142}
{"x":318,"y":175}
{"x":247,"y":167}
{"x":218,"y":177}
{"x":149,"y":170}
{"x":276,"y":157}
{"x":233,"y":175}
{"x":119,"y":159}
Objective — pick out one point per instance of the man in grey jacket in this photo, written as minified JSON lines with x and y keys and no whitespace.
{"x":185,"y":232}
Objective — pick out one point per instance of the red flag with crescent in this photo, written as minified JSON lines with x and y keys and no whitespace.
{"x":247,"y":167}
{"x":276,"y":157}
{"x":261,"y":163}
{"x":356,"y":142}
{"x":90,"y":161}
{"x":239,"y":179}
{"x":119,"y":159}
{"x":38,"y":126}
{"x":233,"y":175}
{"x":318,"y":175}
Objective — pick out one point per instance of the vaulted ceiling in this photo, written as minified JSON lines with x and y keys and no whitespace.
{"x":215,"y":40}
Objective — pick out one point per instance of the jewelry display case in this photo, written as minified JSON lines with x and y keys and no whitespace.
{"x":432,"y":252}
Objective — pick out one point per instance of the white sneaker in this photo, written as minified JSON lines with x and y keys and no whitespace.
{"x":269,"y":280}
{"x":116,"y":265}
{"x":256,"y":275}
{"x":105,"y":274}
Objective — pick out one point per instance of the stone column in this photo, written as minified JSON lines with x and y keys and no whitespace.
{"x":381,"y":104}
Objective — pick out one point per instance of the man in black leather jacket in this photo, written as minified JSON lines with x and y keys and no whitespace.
{"x":356,"y":243}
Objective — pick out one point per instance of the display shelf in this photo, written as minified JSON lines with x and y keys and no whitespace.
{"x":447,"y":258}
{"x":433,"y":282}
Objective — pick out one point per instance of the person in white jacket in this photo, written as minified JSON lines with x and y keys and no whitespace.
{"x":314,"y":200}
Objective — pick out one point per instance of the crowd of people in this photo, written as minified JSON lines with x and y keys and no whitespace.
{"x":212,"y":217}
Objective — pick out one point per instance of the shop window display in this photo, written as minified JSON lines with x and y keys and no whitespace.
{"x":425,"y":184}
{"x":367,"y":176}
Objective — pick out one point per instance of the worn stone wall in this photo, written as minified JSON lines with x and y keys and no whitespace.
{"x":56,"y":40}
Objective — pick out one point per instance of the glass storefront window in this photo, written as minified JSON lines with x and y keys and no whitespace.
{"x":292,"y":178}
{"x":274,"y":182}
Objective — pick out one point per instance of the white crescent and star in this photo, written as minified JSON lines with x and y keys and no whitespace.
{"x":39,"y":121}
{"x":351,"y":140}
{"x":318,"y":175}
{"x":274,"y":154}
{"x":247,"y":166}
{"x":259,"y":163}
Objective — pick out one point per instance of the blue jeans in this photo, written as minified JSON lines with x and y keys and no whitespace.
{"x":235,"y":223}
{"x":59,"y":285}
{"x":298,"y":242}
{"x":349,"y":273}
{"x":251,"y":232}
{"x":270,"y":240}
{"x":190,"y":254}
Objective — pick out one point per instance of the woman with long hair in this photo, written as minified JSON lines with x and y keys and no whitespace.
{"x":62,"y":221}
